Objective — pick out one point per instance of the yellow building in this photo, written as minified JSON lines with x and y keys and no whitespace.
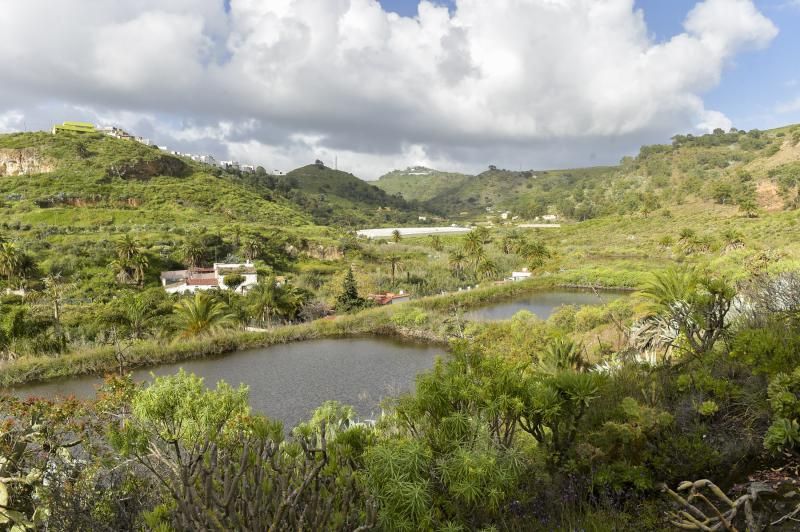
{"x":74,"y":127}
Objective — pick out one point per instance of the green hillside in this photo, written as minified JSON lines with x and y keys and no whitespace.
{"x":95,"y":180}
{"x":67,"y":200}
{"x":418,"y":183}
{"x":340,"y":198}
{"x":752,"y":169}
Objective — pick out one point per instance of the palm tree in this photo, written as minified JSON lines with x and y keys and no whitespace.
{"x":122,"y":270}
{"x":473,"y":247}
{"x":665,"y":289}
{"x":137,"y":312}
{"x":512,"y":242}
{"x":237,"y":235}
{"x":10,"y":260}
{"x":131,"y":263}
{"x":458,"y":262}
{"x":396,"y":236}
{"x":127,"y":248}
{"x":535,"y":253}
{"x":201,"y":315}
{"x":264,"y":300}
{"x":268,"y":300}
{"x":291,"y":300}
{"x":487,"y":269}
{"x":482,"y":233}
{"x":192,"y":253}
{"x":139,"y":263}
{"x":395,"y":262}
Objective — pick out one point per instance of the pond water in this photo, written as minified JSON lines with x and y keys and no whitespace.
{"x":543,"y":304}
{"x":289,"y":381}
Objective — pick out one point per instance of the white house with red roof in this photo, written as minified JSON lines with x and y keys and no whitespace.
{"x":194,"y":279}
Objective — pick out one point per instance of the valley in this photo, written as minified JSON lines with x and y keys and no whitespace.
{"x":560,"y":278}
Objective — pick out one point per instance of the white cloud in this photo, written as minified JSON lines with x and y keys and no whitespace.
{"x":512,"y":82}
{"x":792,"y":106}
{"x":714,"y":120}
{"x":11,"y":121}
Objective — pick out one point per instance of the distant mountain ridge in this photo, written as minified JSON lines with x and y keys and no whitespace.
{"x":734,"y":167}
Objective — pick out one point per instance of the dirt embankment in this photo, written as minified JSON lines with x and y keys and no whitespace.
{"x":24,"y":161}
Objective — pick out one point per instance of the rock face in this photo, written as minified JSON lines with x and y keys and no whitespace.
{"x":143,"y":170}
{"x":324,"y":253}
{"x":23,"y":161}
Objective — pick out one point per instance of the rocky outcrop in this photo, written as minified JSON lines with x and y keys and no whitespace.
{"x":321,"y":252}
{"x":146,"y":169}
{"x":24,"y":161}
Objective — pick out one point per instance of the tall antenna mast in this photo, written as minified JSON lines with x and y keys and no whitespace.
{"x":336,"y":163}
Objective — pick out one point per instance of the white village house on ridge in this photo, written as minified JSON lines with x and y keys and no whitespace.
{"x":194,"y":279}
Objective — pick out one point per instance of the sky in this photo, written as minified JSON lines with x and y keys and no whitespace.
{"x":377,"y":85}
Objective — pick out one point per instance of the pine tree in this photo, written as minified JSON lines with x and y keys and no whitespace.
{"x":349,"y":299}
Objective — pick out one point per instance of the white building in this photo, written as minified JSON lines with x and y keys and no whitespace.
{"x":190,"y":281}
{"x":521,"y":276}
{"x":229,"y":165}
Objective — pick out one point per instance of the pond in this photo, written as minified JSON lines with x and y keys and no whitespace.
{"x":289,"y":381}
{"x":543,"y":303}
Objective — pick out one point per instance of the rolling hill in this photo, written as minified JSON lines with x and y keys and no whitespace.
{"x":418,"y":183}
{"x":735,"y":167}
{"x":91,"y":180}
{"x":335,"y":197}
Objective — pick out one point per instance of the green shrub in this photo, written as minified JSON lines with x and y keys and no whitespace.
{"x":589,"y":317}
{"x":410,"y":317}
{"x":769,"y":349}
{"x":624,"y":445}
{"x":563,"y":318}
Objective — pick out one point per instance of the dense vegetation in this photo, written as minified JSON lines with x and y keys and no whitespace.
{"x":679,"y":407}
{"x":513,"y":430}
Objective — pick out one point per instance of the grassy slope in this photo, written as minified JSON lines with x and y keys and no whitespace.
{"x":689,"y":169}
{"x":340,"y":198}
{"x":68,"y":219}
{"x":421,"y":184}
{"x":85,"y":189}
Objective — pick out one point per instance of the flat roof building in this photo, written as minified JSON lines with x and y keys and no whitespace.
{"x":74,"y":127}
